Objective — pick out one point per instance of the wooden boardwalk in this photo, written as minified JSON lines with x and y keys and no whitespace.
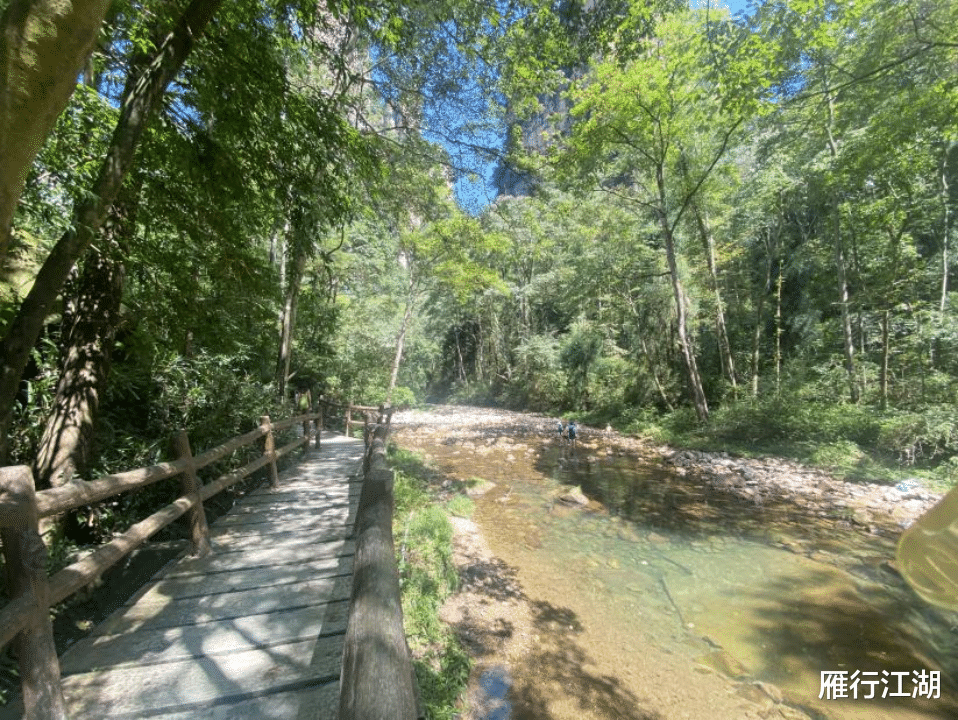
{"x":254,"y":630}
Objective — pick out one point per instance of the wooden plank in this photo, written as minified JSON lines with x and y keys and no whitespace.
{"x":300,"y":493}
{"x":294,"y":521}
{"x":177,"y":686}
{"x":254,"y":630}
{"x":281,"y":507}
{"x":186,"y":586}
{"x":222,"y":560}
{"x":162,"y":645}
{"x":303,"y":702}
{"x":153,"y":610}
{"x":244,"y":538}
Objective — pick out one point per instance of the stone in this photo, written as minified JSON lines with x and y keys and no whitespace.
{"x":770,"y":690}
{"x":574,"y":497}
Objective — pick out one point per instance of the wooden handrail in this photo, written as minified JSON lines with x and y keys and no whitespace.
{"x":361,"y":408}
{"x":29,"y":612}
{"x":378,"y":680}
{"x":81,"y":492}
{"x":25,"y":618}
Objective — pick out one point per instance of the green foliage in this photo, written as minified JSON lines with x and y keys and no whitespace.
{"x":460,"y":506}
{"x":426,"y":572}
{"x":9,"y":674}
{"x":427,"y":577}
{"x":442,"y":680}
{"x":210,"y":397}
{"x":29,"y":415}
{"x":480,"y":394}
{"x":580,"y":350}
{"x":842,"y":457}
{"x":538,"y":379}
{"x":921,"y":437}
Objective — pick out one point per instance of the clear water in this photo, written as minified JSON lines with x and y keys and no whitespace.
{"x":771,"y":593}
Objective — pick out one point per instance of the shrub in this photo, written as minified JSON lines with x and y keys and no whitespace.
{"x":427,"y":577}
{"x":915,"y":436}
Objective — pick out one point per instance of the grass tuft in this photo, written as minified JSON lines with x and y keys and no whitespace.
{"x":427,"y":577}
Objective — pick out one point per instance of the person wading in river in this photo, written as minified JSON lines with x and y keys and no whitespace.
{"x":573,"y":432}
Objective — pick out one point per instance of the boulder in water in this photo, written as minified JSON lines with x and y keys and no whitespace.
{"x":574,"y":497}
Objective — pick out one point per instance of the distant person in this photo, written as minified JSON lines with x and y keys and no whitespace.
{"x":572,"y":432}
{"x":560,"y":428}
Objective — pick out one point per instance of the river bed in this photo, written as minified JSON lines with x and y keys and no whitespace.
{"x":633,"y":586}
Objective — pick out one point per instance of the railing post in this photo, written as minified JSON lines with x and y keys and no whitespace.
{"x":377,"y":681}
{"x":319,"y":424}
{"x":190,"y":484}
{"x":26,"y":560}
{"x":349,"y":419}
{"x":269,"y":449}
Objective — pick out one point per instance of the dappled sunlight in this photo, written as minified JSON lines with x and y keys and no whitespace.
{"x":256,"y":628}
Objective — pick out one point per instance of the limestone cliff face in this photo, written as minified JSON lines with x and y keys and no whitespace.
{"x":534,"y":136}
{"x":583,"y":21}
{"x":589,"y":26}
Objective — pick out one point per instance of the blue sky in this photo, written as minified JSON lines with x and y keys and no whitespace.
{"x":734,"y":6}
{"x":474,"y":194}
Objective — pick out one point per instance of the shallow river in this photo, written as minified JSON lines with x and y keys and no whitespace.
{"x":664,"y":594}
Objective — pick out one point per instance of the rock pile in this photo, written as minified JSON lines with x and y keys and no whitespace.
{"x":873,"y":505}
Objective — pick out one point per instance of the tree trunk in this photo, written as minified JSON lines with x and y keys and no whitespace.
{"x":401,"y":342}
{"x":848,"y":339}
{"x":43,"y":47}
{"x":949,"y":195}
{"x":847,"y":336}
{"x":759,"y":314}
{"x":459,"y":361}
{"x":885,"y":354}
{"x":90,"y":320}
{"x":725,"y":347}
{"x":141,"y":99}
{"x":778,"y":331}
{"x":655,"y":376}
{"x":288,"y":320}
{"x":685,"y":345}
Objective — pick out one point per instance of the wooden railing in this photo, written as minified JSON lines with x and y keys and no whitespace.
{"x":377,"y":681}
{"x":26,"y":617}
{"x":347,"y":409}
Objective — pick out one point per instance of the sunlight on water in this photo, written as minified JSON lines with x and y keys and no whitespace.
{"x":713,"y":573}
{"x":768,"y":595}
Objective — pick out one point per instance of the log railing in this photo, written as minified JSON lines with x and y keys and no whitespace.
{"x":26,"y":617}
{"x":377,"y":680}
{"x":347,"y":409}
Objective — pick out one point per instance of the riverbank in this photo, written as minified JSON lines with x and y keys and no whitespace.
{"x":546,"y":645}
{"x":873,"y":507}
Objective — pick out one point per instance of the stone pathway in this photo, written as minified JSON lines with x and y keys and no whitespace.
{"x":254,"y":630}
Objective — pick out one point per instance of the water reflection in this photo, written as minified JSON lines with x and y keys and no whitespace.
{"x":768,"y":592}
{"x":494,"y":687}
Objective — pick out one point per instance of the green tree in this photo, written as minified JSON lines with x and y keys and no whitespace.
{"x":632,"y":126}
{"x":43,"y":47}
{"x":151,"y":73}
